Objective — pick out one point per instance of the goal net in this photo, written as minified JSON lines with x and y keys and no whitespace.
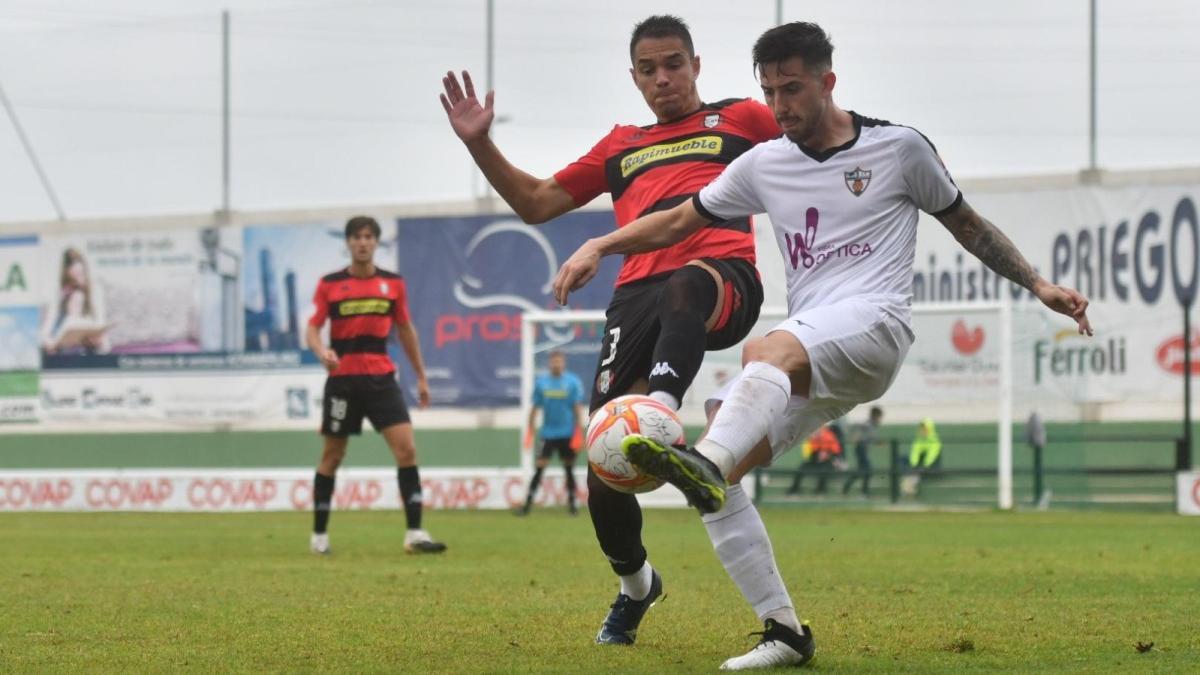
{"x":959,"y":372}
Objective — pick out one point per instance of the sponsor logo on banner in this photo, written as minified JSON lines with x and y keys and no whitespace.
{"x":279,"y":490}
{"x":14,"y":280}
{"x":966,"y":341}
{"x":475,"y":276}
{"x":20,"y":494}
{"x":962,"y":364}
{"x":97,"y":398}
{"x":1170,"y":353}
{"x":496,"y":327}
{"x":1070,"y":354}
{"x":297,"y":403}
{"x":264,"y":400}
{"x":1187,"y":492}
{"x":18,"y":410}
{"x":18,"y":271}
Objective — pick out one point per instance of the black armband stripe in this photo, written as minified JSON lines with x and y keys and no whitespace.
{"x":953,"y":205}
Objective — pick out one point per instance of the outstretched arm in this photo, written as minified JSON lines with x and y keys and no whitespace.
{"x":534,"y":199}
{"x":986,"y":242}
{"x":648,"y":233}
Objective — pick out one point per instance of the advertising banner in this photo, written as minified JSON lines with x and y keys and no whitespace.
{"x":106,"y":295}
{"x":186,"y":399}
{"x":1187,"y":492}
{"x":470,"y":279}
{"x":284,"y":490}
{"x":20,"y":355}
{"x":1131,"y":250}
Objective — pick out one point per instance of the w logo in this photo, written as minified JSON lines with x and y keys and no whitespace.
{"x":800,"y":250}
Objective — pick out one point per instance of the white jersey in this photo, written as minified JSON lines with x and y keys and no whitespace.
{"x":845,"y":219}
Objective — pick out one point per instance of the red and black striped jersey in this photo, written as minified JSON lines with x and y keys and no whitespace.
{"x":361,"y":311}
{"x":655,"y":168}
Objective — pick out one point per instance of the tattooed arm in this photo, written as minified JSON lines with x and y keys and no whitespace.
{"x":986,"y":242}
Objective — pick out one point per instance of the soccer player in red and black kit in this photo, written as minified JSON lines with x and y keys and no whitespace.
{"x":669,"y":306}
{"x":362,"y":304}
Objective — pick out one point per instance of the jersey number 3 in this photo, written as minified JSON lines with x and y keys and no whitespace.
{"x":612,"y":346}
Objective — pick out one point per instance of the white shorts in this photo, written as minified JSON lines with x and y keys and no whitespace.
{"x":855,"y":346}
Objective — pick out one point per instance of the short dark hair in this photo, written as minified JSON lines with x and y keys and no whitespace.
{"x":662,"y":26}
{"x":362,"y":222}
{"x":876,"y":411}
{"x":798,"y":38}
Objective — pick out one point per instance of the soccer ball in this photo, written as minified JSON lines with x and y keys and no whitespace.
{"x":632,"y":414}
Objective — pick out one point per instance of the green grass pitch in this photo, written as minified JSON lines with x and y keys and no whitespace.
{"x":885,"y":592}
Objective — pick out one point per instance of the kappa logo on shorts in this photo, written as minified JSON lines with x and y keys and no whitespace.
{"x":663,"y":368}
{"x":857,"y":180}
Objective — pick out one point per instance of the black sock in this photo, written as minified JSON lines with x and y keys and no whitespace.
{"x":570,"y":470}
{"x":322,"y":501}
{"x":533,"y":484}
{"x":410,"y":495}
{"x":617,"y":519}
{"x":687,"y":299}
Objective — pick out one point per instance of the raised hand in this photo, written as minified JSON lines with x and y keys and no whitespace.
{"x":469,"y":120}
{"x":1066,"y":301}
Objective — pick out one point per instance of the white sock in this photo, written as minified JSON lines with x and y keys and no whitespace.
{"x":784,"y":615}
{"x":665,"y":399}
{"x":746,"y":415}
{"x":637,"y":585}
{"x":741,"y":542}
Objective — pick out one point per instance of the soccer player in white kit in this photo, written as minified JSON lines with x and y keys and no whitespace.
{"x":843,"y":193}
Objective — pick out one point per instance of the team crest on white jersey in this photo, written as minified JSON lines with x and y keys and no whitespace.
{"x":857,"y":180}
{"x":712,"y":120}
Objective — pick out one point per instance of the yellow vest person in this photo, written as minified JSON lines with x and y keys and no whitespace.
{"x":926,"y":447}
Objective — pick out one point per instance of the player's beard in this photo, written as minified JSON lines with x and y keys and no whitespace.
{"x":806,"y":131}
{"x":801,"y":136}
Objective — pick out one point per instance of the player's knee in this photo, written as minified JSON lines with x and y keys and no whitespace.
{"x":758,"y":349}
{"x":541,"y":463}
{"x":406,"y":454}
{"x":784,"y":352}
{"x":331,"y":458}
{"x":690,"y":289}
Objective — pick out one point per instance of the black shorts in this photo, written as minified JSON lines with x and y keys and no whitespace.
{"x":631,"y":329}
{"x":348,"y":398}
{"x":562,"y":446}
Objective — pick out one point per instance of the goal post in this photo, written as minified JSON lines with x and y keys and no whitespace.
{"x":577,"y":333}
{"x":959,"y":369}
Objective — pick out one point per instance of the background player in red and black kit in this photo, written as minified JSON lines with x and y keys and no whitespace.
{"x":363,"y":303}
{"x":669,"y":306}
